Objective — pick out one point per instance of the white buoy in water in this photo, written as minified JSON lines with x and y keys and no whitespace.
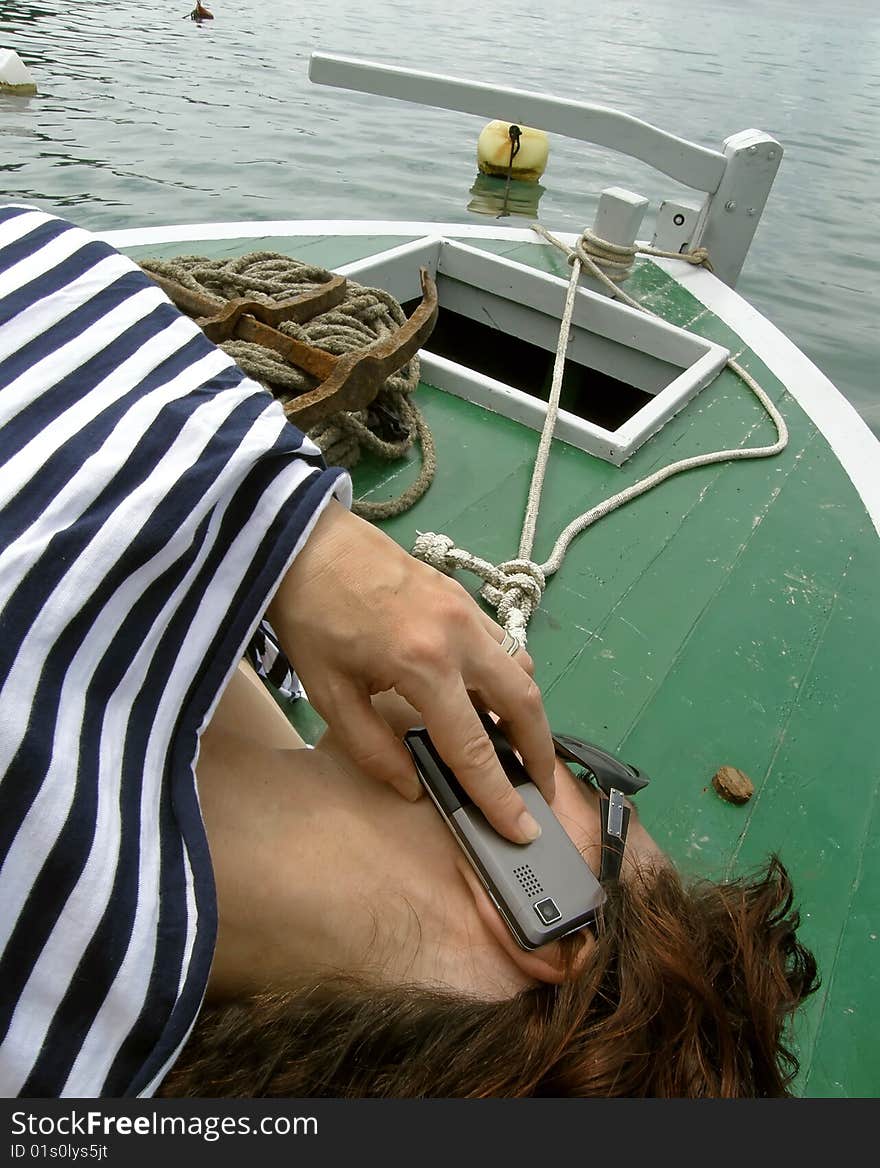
{"x":15,"y":77}
{"x":529,"y":147}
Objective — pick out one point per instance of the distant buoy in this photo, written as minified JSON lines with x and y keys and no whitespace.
{"x":15,"y":77}
{"x":528,"y":147}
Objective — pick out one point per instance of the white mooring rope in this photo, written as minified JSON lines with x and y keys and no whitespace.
{"x":515,"y":587}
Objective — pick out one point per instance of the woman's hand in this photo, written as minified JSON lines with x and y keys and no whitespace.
{"x":357,"y":615}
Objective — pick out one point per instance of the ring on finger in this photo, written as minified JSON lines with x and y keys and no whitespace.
{"x":510,"y":644}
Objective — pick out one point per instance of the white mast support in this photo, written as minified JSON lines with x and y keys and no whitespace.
{"x":731,"y":214}
{"x":730,"y":173}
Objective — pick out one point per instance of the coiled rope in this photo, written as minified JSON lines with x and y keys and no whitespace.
{"x":515,"y":587}
{"x":390,"y":426}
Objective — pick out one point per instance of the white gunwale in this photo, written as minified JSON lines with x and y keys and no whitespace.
{"x":853,"y":443}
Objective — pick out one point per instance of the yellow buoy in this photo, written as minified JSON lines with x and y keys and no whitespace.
{"x":508,"y":147}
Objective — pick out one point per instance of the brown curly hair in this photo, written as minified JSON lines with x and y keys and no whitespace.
{"x":689,"y":992}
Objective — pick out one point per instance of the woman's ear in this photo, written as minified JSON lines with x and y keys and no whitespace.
{"x":554,"y":963}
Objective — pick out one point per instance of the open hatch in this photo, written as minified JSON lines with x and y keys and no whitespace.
{"x":626,"y":372}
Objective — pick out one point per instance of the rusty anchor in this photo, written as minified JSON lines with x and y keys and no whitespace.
{"x":349,"y":382}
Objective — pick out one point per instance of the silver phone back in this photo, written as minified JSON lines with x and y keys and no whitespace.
{"x":544,"y":889}
{"x":531,"y":883}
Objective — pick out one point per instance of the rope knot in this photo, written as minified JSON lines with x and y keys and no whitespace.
{"x":435,"y":550}
{"x":515,"y":590}
{"x":700,"y":255}
{"x":614,"y":259}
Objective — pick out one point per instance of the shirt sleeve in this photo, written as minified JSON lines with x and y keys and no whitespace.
{"x":151,"y":500}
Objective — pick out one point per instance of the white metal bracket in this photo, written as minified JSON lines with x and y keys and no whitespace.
{"x":732,"y":212}
{"x":676,"y":225}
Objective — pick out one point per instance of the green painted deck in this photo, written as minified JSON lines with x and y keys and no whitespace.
{"x":728,"y":617}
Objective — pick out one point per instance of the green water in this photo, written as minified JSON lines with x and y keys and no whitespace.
{"x":144,"y":117}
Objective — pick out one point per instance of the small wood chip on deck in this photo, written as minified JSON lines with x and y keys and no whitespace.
{"x":732,"y":785}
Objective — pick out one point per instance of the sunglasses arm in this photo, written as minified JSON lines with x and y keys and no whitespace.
{"x":615,"y":821}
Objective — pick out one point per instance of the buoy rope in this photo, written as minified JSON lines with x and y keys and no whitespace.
{"x":390,"y":426}
{"x":514,"y":133}
{"x":514,"y":588}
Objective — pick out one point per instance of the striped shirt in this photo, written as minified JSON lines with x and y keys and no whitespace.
{"x":151,"y":499}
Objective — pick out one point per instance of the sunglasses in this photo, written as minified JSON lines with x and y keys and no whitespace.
{"x":614,"y":780}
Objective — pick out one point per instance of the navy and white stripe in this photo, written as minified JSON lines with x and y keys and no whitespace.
{"x":151,"y":499}
{"x":270,"y":661}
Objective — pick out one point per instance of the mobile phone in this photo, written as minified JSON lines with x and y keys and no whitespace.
{"x":544,"y":889}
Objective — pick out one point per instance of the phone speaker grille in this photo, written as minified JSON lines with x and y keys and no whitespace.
{"x":531,"y":885}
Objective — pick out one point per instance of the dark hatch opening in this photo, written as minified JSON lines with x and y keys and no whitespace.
{"x":596,"y":397}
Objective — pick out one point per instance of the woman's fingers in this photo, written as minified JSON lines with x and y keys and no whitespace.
{"x":498,"y":634}
{"x":506,"y":686}
{"x":464,"y":745}
{"x":366,"y":737}
{"x":473,"y":661}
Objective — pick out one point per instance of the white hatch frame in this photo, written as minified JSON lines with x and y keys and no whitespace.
{"x":520,"y":301}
